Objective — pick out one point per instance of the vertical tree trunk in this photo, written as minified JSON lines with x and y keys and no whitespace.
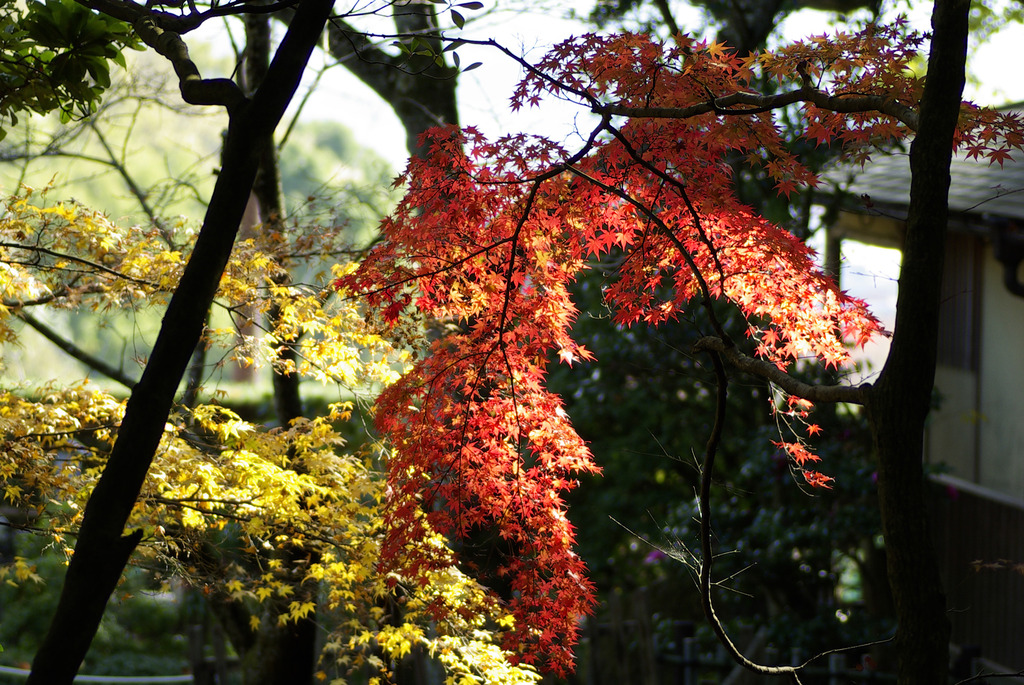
{"x":281,"y":654}
{"x":102,"y":550}
{"x":900,"y":401}
{"x":421,"y":93}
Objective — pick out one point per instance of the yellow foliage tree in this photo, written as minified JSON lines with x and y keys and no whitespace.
{"x":247,"y":513}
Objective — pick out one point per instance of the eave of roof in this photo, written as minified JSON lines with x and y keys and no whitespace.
{"x":976,"y":186}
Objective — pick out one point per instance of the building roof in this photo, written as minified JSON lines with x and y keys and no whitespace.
{"x":977,"y":187}
{"x":983,"y":197}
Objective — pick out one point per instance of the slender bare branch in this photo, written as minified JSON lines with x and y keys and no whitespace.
{"x":73,"y":258}
{"x":983,"y":677}
{"x":76,"y":352}
{"x":63,"y":290}
{"x":707,"y":553}
{"x":140,"y":195}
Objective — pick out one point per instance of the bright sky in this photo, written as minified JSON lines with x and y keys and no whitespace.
{"x":484,"y":92}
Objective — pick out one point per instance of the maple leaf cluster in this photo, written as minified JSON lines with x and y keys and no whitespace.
{"x":479,"y":444}
{"x":491,"y":235}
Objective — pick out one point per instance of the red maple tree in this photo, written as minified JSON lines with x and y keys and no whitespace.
{"x":491,"y":235}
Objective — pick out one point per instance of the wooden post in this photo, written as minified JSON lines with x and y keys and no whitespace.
{"x":196,"y":655}
{"x":689,"y":661}
{"x":836,"y":665}
{"x":220,"y":655}
{"x":644,"y":637}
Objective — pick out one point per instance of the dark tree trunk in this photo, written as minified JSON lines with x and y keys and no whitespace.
{"x":900,"y":400}
{"x":422,"y":95}
{"x":102,"y":550}
{"x":281,"y":654}
{"x":268,"y":194}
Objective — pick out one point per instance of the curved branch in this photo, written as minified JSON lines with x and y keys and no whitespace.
{"x":852,"y":394}
{"x":77,"y":352}
{"x":707,"y":553}
{"x":195,"y":90}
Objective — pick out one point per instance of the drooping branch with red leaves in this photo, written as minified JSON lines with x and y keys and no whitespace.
{"x":491,"y":235}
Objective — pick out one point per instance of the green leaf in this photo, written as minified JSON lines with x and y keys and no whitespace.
{"x":472,"y":66}
{"x":458,"y":19}
{"x":471,"y":5}
{"x":100,"y":73}
{"x":418,"y":46}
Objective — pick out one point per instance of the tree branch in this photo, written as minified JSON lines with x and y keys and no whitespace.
{"x":131,"y":12}
{"x":753,"y":103}
{"x":707,"y":553}
{"x":95,"y":266}
{"x":667,"y":16}
{"x":757,"y":367}
{"x":195,"y":90}
{"x":77,"y":352}
{"x":141,"y":196}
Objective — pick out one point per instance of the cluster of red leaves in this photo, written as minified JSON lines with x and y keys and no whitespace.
{"x":990,"y":134}
{"x":879,"y":60}
{"x":793,"y":414}
{"x":659,"y":182}
{"x":491,"y":235}
{"x":479,"y":444}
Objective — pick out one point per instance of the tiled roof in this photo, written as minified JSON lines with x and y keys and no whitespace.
{"x":977,"y":187}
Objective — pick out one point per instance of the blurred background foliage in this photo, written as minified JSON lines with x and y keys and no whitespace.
{"x":146,"y":162}
{"x":142,"y":632}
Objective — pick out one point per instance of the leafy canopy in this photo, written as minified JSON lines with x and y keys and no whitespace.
{"x":491,"y":234}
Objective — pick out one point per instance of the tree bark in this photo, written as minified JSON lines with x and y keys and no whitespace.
{"x":422,"y":95}
{"x":899,"y":403}
{"x":280,"y":654}
{"x":103,"y":550}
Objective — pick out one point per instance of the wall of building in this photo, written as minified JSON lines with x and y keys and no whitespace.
{"x":953,"y":429}
{"x":1002,"y":388}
